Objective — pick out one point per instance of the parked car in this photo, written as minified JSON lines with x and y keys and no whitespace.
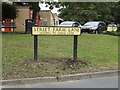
{"x":70,"y":24}
{"x":112,"y":27}
{"x":95,"y":27}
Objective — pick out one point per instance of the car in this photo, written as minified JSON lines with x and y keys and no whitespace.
{"x":70,"y":24}
{"x":112,"y":27}
{"x":96,"y":27}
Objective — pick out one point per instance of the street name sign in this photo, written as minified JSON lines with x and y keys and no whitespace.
{"x":56,"y":30}
{"x":41,"y":30}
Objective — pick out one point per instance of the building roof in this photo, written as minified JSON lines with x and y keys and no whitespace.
{"x":61,"y":19}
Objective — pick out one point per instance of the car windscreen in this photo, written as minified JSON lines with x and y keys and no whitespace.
{"x":91,"y":24}
{"x":66,"y":23}
{"x":111,"y":25}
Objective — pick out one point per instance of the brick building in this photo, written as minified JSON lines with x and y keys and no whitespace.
{"x":43,"y":18}
{"x":23,"y":13}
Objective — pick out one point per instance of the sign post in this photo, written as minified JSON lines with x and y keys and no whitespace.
{"x":66,"y":31}
{"x":35,"y":48}
{"x":75,"y":47}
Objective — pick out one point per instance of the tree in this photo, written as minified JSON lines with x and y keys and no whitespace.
{"x":116,"y":11}
{"x":104,"y":11}
{"x":79,"y":11}
{"x":9,"y":11}
{"x":88,"y":11}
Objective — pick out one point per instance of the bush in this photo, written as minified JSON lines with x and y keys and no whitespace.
{"x":118,"y":29}
{"x":113,"y":33}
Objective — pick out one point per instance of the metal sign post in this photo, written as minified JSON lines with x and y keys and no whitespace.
{"x":66,"y":31}
{"x":75,"y":47}
{"x":35,"y":48}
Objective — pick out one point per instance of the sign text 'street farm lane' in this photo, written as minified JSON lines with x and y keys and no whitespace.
{"x":56,"y":30}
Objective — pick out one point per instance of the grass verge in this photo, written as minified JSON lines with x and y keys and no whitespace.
{"x":95,"y":53}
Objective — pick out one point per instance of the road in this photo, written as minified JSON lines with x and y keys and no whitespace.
{"x":102,"y":82}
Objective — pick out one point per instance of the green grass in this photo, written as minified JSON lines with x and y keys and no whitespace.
{"x":99,"y":50}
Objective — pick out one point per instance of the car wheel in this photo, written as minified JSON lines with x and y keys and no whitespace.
{"x":95,"y":32}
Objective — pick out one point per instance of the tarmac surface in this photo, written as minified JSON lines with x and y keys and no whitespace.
{"x":31,"y":81}
{"x":102,"y":82}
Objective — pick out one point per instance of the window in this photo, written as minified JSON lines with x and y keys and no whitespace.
{"x":75,"y":25}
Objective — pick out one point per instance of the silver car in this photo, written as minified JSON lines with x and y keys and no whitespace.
{"x":70,"y":24}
